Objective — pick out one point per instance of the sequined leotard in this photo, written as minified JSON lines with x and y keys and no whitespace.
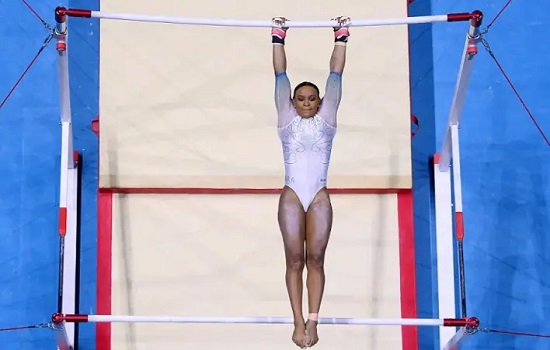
{"x":307,"y":142}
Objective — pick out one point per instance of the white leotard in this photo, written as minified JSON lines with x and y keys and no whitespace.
{"x":307,"y":142}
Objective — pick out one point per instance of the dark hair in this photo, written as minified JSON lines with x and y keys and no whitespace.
{"x":306,"y":83}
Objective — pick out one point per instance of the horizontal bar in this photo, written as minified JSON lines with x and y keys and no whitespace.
{"x":238,"y":191}
{"x":62,"y":13}
{"x":57,"y":318}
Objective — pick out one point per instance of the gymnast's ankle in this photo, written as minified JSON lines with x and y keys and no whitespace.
{"x":313,"y":317}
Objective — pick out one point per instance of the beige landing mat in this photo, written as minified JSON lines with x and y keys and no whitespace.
{"x":222,"y":256}
{"x":193,"y":106}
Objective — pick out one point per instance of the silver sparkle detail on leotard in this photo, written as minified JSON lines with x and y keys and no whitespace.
{"x":307,"y":142}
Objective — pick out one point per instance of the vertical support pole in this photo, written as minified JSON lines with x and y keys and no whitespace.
{"x":68,"y":191}
{"x":448,"y":195}
{"x":446,"y":286}
{"x":459,"y":218}
{"x":463,"y":79}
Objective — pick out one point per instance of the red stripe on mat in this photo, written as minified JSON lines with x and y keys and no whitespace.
{"x":104,"y":262}
{"x":407,"y":268}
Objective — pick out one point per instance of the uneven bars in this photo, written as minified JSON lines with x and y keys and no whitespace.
{"x":445,"y":322}
{"x":62,"y":12}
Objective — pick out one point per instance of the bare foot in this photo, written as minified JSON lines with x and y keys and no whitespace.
{"x":299,"y":335}
{"x":311,"y":333}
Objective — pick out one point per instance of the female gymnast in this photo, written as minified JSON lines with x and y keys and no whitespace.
{"x":306,"y":128}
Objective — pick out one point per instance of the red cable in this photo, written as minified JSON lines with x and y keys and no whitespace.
{"x":486,"y":45}
{"x":498,"y":14}
{"x":526,"y":334}
{"x":36,"y":14}
{"x":7,"y":329}
{"x":46,"y":42}
{"x":516,"y":92}
{"x":517,"y":333}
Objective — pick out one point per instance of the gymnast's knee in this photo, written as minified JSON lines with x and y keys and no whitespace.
{"x":295,"y":262}
{"x":315,"y":261}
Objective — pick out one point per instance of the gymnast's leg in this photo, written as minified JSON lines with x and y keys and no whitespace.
{"x":318,"y":227}
{"x":292,"y":221}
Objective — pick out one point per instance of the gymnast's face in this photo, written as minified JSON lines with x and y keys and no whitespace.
{"x":306,"y":101}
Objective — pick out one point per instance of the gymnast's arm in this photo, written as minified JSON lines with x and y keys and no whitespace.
{"x":338,"y":58}
{"x":279,"y":58}
{"x":283,"y":100}
{"x":333,"y":89}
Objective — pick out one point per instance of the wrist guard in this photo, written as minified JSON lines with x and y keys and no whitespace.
{"x":341,"y":34}
{"x":278,"y":36}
